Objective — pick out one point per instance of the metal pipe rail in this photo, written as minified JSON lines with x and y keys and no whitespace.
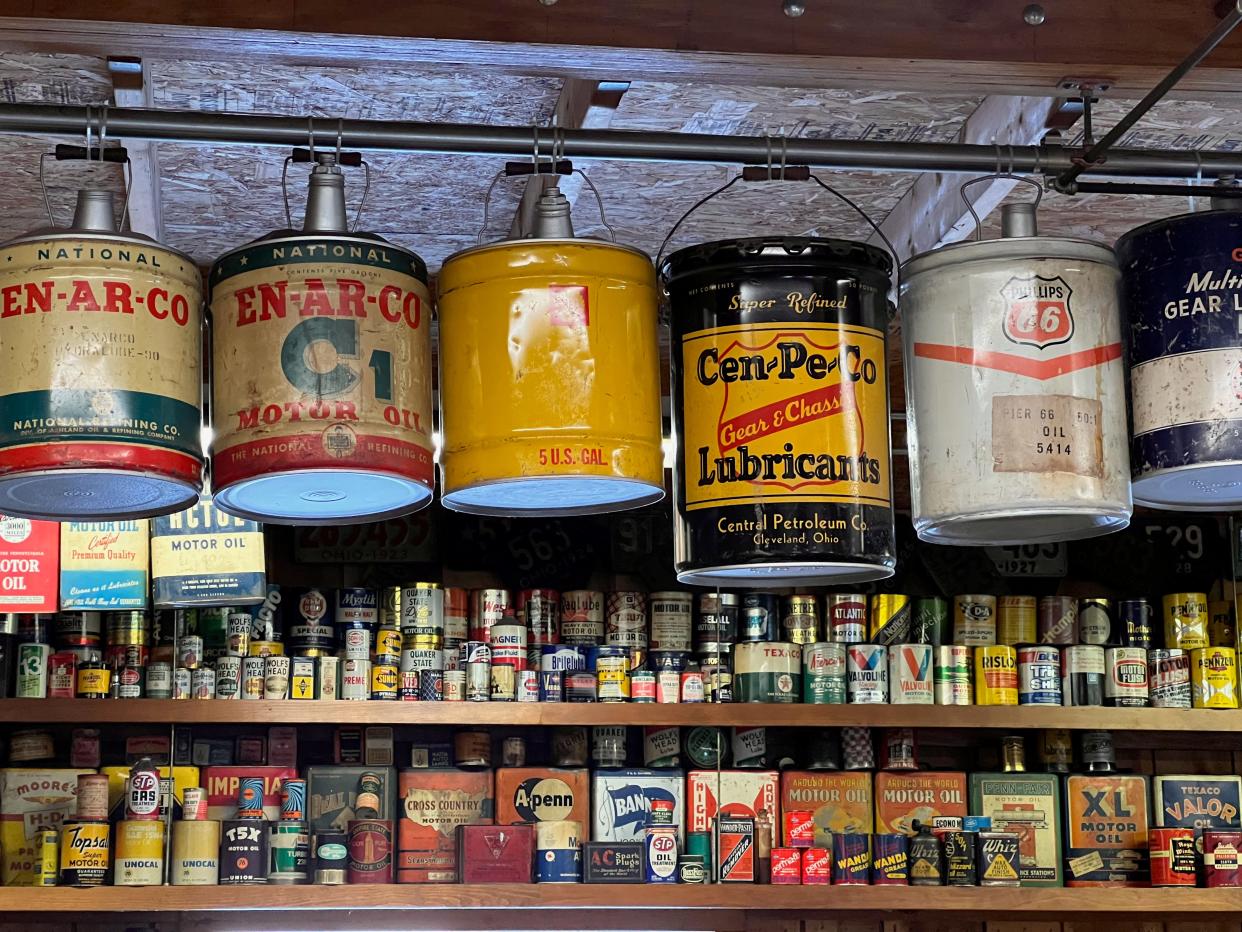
{"x":519,"y":141}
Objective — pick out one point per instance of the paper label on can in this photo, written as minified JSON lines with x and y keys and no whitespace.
{"x":1107,"y":820}
{"x":103,"y":564}
{"x":786,"y":412}
{"x":1209,"y":388}
{"x":1046,"y":434}
{"x":30,"y":563}
{"x":334,"y":338}
{"x":1027,"y":805}
{"x":201,"y":556}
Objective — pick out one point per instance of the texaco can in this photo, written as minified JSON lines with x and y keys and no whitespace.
{"x":100,"y":372}
{"x":325,"y":337}
{"x":767,"y":671}
{"x":1182,"y":281}
{"x":910,"y":674}
{"x":1168,"y":673}
{"x":867,"y":673}
{"x":1024,"y":334}
{"x":780,"y":407}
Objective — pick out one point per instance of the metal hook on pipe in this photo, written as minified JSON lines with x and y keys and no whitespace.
{"x":310,"y":136}
{"x":784,"y":152}
{"x":340,"y":132}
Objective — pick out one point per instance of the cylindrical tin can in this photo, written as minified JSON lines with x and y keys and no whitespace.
{"x":799,"y":620}
{"x":245,"y":852}
{"x":867,"y":673}
{"x":1025,"y":332}
{"x":276,"y":677}
{"x":472,"y":748}
{"x":996,"y":675}
{"x":139,"y":854}
{"x":356,"y":644}
{"x":910,"y":674}
{"x":356,"y":608}
{"x":1083,"y":672}
{"x":851,"y":858}
{"x":203,"y":682}
{"x":1222,"y":624}
{"x":93,"y":680}
{"x":1185,"y":620}
{"x":183,"y":680}
{"x":92,"y":798}
{"x":716,"y":620}
{"x":974,"y":620}
{"x":1039,"y":675}
{"x":456,"y":613}
{"x":228,"y":677}
{"x":824,"y":673}
{"x":1172,"y":856}
{"x":79,"y":629}
{"x":333,"y":421}
{"x":749,"y":746}
{"x":85,"y":853}
{"x":767,"y":671}
{"x":626,"y":620}
{"x":385,"y":680}
{"x":253,"y":678}
{"x":582,"y":617}
{"x":1168,"y":674}
{"x":504,"y":683}
{"x":672,"y":616}
{"x":370,"y":851}
{"x":857,"y":749}
{"x":47,"y":857}
{"x":194,"y":804}
{"x":32,"y":671}
{"x":90,"y":432}
{"x":313,"y":626}
{"x":422,"y":611}
{"x":292,"y":799}
{"x":580,"y":430}
{"x":608,"y":745}
{"x":389,"y":614}
{"x":772,"y":339}
{"x":431,"y":685}
{"x":455,"y":686}
{"x":642,"y":686}
{"x":847,"y":617}
{"x":1214,"y":677}
{"x":1126,"y":681}
{"x":331,"y":857}
{"x":760,"y":618}
{"x":661,"y":746}
{"x":290,"y":852}
{"x":558,"y":852}
{"x":250,"y":798}
{"x":890,"y":860}
{"x":1134,"y":620}
{"x":1096,"y":624}
{"x":899,"y":749}
{"x":508,"y":643}
{"x":239,"y":628}
{"x":612,"y":674}
{"x":953,"y":675}
{"x":195,"y":854}
{"x":1016,"y":620}
{"x":1058,"y":620}
{"x":890,"y":618}
{"x":929,"y":621}
{"x":1182,"y":294}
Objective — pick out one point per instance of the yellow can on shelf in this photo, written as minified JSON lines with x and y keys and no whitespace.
{"x":139,"y":853}
{"x":1214,"y":677}
{"x":549,"y":378}
{"x":996,"y":675}
{"x":1185,"y":620}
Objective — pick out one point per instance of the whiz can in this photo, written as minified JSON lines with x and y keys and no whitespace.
{"x":996,"y":675}
{"x":910,"y":674}
{"x":1039,"y":675}
{"x":1126,"y":683}
{"x":952,"y":675}
{"x":1214,"y":677}
{"x":867,"y":673}
{"x":1168,"y":673}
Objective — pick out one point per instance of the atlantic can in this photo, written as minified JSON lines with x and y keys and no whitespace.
{"x":867,"y":673}
{"x":1039,"y":675}
{"x":779,"y":371}
{"x":847,"y":617}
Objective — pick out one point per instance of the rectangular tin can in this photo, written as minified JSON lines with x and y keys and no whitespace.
{"x":816,"y":866}
{"x":613,"y":862}
{"x":1027,"y":805}
{"x":1000,"y":861}
{"x":890,"y":860}
{"x":1221,"y":858}
{"x":1197,"y":802}
{"x":904,"y":798}
{"x":735,"y":846}
{"x":1106,"y":830}
{"x":1172,"y":857}
{"x":839,"y":801}
{"x":960,"y":866}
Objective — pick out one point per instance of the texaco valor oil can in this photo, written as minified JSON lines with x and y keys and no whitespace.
{"x":780,"y":406}
{"x":322,"y":371}
{"x":100,"y":372}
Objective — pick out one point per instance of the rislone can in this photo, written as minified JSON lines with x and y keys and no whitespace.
{"x":1126,"y":680}
{"x":953,"y":675}
{"x":1134,"y":619}
{"x":139,"y":854}
{"x":890,"y":619}
{"x":867,"y":673}
{"x":195,"y":854}
{"x":824,"y":673}
{"x":1039,"y":675}
{"x":851,"y":858}
{"x":910,"y":674}
{"x":996,"y":675}
{"x":1016,"y":620}
{"x":890,"y":860}
{"x":929,"y":622}
{"x":1172,"y":856}
{"x":1185,"y":620}
{"x":85,"y":853}
{"x":1083,"y":671}
{"x":1168,"y":673}
{"x":795,"y":326}
{"x":333,"y":420}
{"x":1214,"y":677}
{"x":974,"y":620}
{"x":245,"y":852}
{"x":846,"y":617}
{"x":767,"y":671}
{"x":370,"y":851}
{"x":1058,"y":619}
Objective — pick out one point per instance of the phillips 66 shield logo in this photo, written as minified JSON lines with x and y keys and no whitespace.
{"x":1038,"y":311}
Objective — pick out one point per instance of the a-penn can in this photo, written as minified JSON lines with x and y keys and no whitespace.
{"x":370,"y":851}
{"x":824,"y":673}
{"x":929,"y":620}
{"x":867,"y":673}
{"x":1185,"y":620}
{"x":799,"y":620}
{"x":890,"y":860}
{"x":1058,"y":620}
{"x":1172,"y":856}
{"x":1134,"y":621}
{"x":672,"y":620}
{"x":974,"y":620}
{"x":1214,"y":677}
{"x":85,"y":853}
{"x":1126,"y":681}
{"x":910,"y":674}
{"x":846,"y":617}
{"x":851,"y":858}
{"x":1168,"y":673}
{"x":954,"y":675}
{"x":890,"y":619}
{"x":1016,"y":620}
{"x":1083,"y":670}
{"x":996,"y":675}
{"x":1039,"y":675}
{"x":139,"y":854}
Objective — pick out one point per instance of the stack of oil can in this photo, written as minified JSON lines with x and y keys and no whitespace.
{"x":425,"y":642}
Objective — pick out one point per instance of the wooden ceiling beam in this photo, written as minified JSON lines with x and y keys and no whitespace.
{"x":130,"y":88}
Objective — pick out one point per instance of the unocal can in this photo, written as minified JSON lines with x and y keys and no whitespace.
{"x":1126,"y":681}
{"x":847,"y":617}
{"x":824,"y":673}
{"x":195,"y":854}
{"x":996,"y":675}
{"x":139,"y":854}
{"x":1182,"y":295}
{"x":1168,"y":674}
{"x":333,"y":330}
{"x":1172,"y":856}
{"x":1025,"y":333}
{"x":558,"y":851}
{"x":1016,"y":620}
{"x":100,"y":411}
{"x":1039,"y":675}
{"x":1214,"y":677}
{"x":974,"y":620}
{"x":910,"y":674}
{"x":953,"y":675}
{"x":780,"y":409}
{"x":671,"y":620}
{"x":890,"y":618}
{"x":767,"y":671}
{"x":1185,"y":620}
{"x":867,"y":673}
{"x":538,"y":322}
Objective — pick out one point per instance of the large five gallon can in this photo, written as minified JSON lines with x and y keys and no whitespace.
{"x":1182,"y":282}
{"x":100,"y":372}
{"x":780,"y":407}
{"x":1015,"y":389}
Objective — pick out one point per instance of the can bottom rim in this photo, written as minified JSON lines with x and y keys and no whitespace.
{"x":776,"y":574}
{"x":323,"y":496}
{"x":94,"y":494}
{"x":550,"y":496}
{"x":1022,"y":526}
{"x":1197,"y":487}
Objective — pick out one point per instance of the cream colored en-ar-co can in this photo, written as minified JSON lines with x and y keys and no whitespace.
{"x":1016,"y":618}
{"x":1214,"y":677}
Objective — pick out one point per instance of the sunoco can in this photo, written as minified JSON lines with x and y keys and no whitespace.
{"x":1039,"y":675}
{"x":974,"y":621}
{"x":953,"y":675}
{"x":1214,"y":677}
{"x":85,"y":853}
{"x":1016,"y":620}
{"x":1185,"y":620}
{"x":1134,"y":620}
{"x":671,"y":620}
{"x":929,"y":620}
{"x":996,"y":675}
{"x":867,"y":673}
{"x":1083,"y":670}
{"x":370,"y":851}
{"x":1058,"y":619}
{"x":582,"y":617}
{"x":890,"y":619}
{"x":799,"y":619}
{"x":890,"y":860}
{"x":385,"y":678}
{"x":910,"y":674}
{"x":824,"y":673}
{"x":1168,"y":673}
{"x":139,"y":854}
{"x":1126,"y":680}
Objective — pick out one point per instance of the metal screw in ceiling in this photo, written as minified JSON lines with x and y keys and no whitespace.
{"x":1034,"y":15}
{"x":793,"y":8}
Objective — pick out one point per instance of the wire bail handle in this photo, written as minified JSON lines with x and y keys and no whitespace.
{"x":340,"y":159}
{"x":91,"y":154}
{"x":1008,"y":175}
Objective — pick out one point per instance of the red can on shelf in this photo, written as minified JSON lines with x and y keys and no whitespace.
{"x":1220,"y":857}
{"x":786,"y":866}
{"x":1172,"y":857}
{"x":816,"y":866}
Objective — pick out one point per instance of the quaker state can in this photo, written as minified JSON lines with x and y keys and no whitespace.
{"x":1126,"y":682}
{"x":1168,"y":674}
{"x":890,"y":619}
{"x":952,"y":675}
{"x":846,"y":617}
{"x":1185,"y":620}
{"x":996,"y":675}
{"x":823,"y":673}
{"x":867,"y":673}
{"x":910,"y":674}
{"x":929,"y":620}
{"x":85,"y":853}
{"x":1039,"y":675}
{"x":974,"y":620}
{"x":1016,"y":620}
{"x":1214,"y":677}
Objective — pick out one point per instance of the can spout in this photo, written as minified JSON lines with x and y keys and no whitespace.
{"x":552,"y":215}
{"x":325,"y":201}
{"x":1018,"y":220}
{"x":94,"y":212}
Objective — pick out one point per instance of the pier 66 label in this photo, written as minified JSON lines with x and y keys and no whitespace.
{"x":786,"y":414}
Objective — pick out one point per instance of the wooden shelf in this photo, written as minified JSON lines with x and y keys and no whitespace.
{"x":225,"y":712}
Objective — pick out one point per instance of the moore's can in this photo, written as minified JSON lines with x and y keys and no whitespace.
{"x":867,"y":673}
{"x":996,"y":675}
{"x":824,"y":673}
{"x":910,"y":674}
{"x":781,"y":324}
{"x":952,"y":676}
{"x":1125,"y":683}
{"x":1214,"y":677}
{"x":1039,"y":675}
{"x":1168,"y":674}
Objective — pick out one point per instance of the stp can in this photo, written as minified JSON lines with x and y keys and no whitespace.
{"x":996,"y":675}
{"x":1214,"y":677}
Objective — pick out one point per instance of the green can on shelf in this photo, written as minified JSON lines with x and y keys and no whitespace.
{"x":823,"y":673}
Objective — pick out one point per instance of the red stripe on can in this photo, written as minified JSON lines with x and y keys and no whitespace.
{"x":126,"y":456}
